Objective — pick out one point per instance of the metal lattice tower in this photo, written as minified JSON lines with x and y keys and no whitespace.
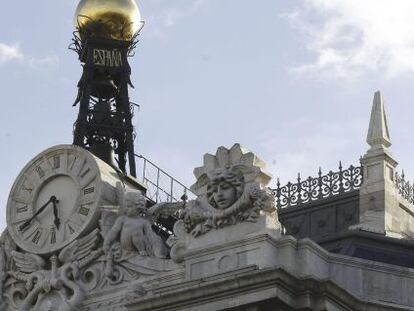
{"x":104,"y":123}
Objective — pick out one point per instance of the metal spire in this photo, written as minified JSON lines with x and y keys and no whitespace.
{"x":378,"y":133}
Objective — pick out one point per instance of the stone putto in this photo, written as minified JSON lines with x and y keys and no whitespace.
{"x":133,"y":228}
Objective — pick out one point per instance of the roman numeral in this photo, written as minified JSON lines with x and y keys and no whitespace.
{"x":30,"y":182}
{"x":77,"y":166}
{"x":29,"y":231}
{"x":22,"y":209}
{"x":85,"y":172}
{"x":22,"y":199}
{"x":52,"y":236}
{"x":40,"y":172}
{"x":88,"y":190}
{"x":23,"y":229}
{"x":72,"y":164}
{"x":56,"y":162}
{"x":36,"y":237}
{"x":24,"y":188}
{"x":71,"y":230}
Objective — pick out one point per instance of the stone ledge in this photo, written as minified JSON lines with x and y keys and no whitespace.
{"x":368,"y":282}
{"x":273,"y":285}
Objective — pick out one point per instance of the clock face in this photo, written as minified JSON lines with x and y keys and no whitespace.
{"x":54,"y":199}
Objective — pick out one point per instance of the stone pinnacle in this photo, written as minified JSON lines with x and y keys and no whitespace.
{"x":378,"y":133}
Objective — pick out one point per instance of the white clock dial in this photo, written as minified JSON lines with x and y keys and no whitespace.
{"x":54,"y":199}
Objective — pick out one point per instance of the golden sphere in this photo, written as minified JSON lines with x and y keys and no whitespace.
{"x":108,"y":19}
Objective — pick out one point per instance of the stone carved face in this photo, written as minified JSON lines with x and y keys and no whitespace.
{"x":134,"y":203}
{"x":225,"y":187}
{"x":224,"y":195}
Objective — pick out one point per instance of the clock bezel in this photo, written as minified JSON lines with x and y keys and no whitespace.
{"x":88,"y":222}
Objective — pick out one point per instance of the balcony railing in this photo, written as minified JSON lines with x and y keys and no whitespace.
{"x":161,"y":186}
{"x":404,"y":187}
{"x":321,"y":187}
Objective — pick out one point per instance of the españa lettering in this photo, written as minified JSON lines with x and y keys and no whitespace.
{"x":107,"y":58}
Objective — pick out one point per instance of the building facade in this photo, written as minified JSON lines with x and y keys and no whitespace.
{"x":340,"y":241}
{"x":85,"y":233}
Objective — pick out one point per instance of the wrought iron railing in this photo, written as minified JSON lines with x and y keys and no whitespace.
{"x":161,"y":187}
{"x":405,"y":188}
{"x":321,"y":187}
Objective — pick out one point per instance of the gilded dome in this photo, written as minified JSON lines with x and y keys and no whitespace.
{"x":108,"y":19}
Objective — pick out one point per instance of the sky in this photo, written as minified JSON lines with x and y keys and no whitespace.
{"x":293,"y":81}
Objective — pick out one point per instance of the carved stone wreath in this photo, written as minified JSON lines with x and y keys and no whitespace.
{"x":230,"y":188}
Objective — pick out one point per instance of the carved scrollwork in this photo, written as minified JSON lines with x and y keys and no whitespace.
{"x":7,"y":297}
{"x":36,"y":284}
{"x":62,"y":282}
{"x":90,"y":277}
{"x":2,"y":275}
{"x":14,"y":295}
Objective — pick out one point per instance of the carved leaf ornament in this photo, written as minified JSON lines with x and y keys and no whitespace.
{"x":230,"y":188}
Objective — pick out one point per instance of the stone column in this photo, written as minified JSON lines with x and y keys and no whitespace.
{"x":377,"y":193}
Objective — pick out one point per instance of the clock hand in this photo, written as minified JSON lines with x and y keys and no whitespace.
{"x":55,"y":212}
{"x":41,"y":209}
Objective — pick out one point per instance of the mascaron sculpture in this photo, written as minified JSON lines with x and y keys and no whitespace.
{"x":230,"y":189}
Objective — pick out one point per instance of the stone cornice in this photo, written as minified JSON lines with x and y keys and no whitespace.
{"x":268,"y":284}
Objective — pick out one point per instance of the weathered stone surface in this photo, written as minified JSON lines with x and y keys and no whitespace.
{"x":232,"y":202}
{"x":378,"y":133}
{"x":122,"y":251}
{"x":261,"y":268}
{"x":228,"y":251}
{"x":382,"y":209}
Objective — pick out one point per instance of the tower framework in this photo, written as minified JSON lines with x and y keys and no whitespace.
{"x":104,"y":123}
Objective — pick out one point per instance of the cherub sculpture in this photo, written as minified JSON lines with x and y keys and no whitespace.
{"x":133,"y":225}
{"x":133,"y":228}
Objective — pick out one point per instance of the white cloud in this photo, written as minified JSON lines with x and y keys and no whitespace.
{"x":171,"y":16}
{"x":10,"y":52}
{"x":14,"y":52}
{"x":356,"y":37}
{"x":39,"y":63}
